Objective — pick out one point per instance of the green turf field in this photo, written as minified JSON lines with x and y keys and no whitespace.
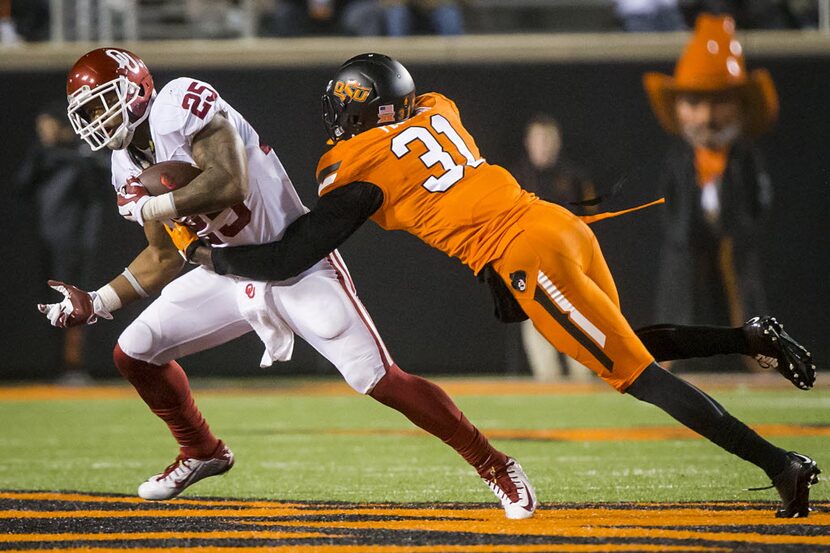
{"x":347,"y":447}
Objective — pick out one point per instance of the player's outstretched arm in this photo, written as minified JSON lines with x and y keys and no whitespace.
{"x":307,"y":240}
{"x":155,"y":266}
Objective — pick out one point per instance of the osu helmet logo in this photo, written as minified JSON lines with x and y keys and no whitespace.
{"x":351,"y":89}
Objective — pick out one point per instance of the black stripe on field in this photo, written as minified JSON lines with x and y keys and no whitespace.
{"x":366,"y":537}
{"x":234,"y":503}
{"x":544,"y":300}
{"x":804,"y":529}
{"x":63,"y":506}
{"x":374,"y":537}
{"x":705,"y":506}
{"x":172,"y":523}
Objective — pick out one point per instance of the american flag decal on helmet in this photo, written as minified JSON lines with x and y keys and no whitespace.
{"x":386,"y":113}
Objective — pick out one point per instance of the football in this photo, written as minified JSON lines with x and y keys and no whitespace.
{"x":168,"y":175}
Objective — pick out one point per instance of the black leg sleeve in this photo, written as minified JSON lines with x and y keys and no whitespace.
{"x":668,"y":342}
{"x":699,"y":412}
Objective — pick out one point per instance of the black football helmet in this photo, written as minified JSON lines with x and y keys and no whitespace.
{"x":368,"y":91}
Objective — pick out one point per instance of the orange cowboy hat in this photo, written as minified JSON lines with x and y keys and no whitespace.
{"x":713,"y":61}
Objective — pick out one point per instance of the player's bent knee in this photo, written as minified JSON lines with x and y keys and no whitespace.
{"x":327,"y":312}
{"x":363,"y":375}
{"x":333,"y":325}
{"x":126,"y":364}
{"x":390,"y":384}
{"x":137,"y":340}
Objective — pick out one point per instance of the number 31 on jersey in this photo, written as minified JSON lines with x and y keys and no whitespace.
{"x":436,"y":153}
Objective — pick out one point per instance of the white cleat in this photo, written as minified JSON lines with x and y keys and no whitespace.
{"x":184,"y":472}
{"x":512,"y":486}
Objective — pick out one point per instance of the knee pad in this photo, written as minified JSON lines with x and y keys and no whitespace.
{"x":326,"y":318}
{"x":318,"y":305}
{"x":137,"y":340}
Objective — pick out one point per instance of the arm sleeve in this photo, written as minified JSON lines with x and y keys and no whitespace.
{"x":307,"y":240}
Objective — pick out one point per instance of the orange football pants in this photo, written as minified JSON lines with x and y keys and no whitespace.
{"x":557,"y":272}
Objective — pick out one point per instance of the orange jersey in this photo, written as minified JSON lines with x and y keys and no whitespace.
{"x":435,"y":183}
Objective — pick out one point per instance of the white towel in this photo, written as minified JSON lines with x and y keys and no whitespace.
{"x":256,"y":304}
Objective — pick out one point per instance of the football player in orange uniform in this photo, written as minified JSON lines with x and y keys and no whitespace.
{"x":408,"y":163}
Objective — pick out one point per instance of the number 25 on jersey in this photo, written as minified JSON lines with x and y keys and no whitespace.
{"x":199,"y":99}
{"x":436,"y":153}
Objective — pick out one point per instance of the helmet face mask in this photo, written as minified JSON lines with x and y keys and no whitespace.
{"x":101,"y":116}
{"x":369,"y":90}
{"x":109,"y":92}
{"x":331,"y":114}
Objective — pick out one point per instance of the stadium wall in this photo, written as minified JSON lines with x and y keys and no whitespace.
{"x":433,"y":314}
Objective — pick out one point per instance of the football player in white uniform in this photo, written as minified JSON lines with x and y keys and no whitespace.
{"x":242,"y":197}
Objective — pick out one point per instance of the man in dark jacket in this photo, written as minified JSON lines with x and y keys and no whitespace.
{"x":64,"y":183}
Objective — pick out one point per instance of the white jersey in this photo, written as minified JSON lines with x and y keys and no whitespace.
{"x":321,"y":305}
{"x":180,"y":110}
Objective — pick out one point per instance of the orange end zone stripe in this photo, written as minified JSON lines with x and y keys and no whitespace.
{"x":575,"y":548}
{"x":566,"y":548}
{"x":240,"y":534}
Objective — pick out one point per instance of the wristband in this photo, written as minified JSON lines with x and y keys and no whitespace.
{"x":109,"y":299}
{"x":159,"y":208}
{"x":191,"y":251}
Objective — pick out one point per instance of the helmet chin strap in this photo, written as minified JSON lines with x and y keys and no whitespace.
{"x":124,"y":135}
{"x":122,"y":138}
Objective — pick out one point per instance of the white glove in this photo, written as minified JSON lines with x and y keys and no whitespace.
{"x":77,"y":308}
{"x":131,"y":198}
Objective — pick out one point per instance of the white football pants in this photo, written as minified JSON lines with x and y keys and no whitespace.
{"x":200,"y":310}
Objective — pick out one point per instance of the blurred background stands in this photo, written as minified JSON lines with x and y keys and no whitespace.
{"x":105,"y":20}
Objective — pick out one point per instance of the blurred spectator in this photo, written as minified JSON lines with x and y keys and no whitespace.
{"x":445,"y":16}
{"x":66,"y":184}
{"x":214,"y":18}
{"x":544,"y":172}
{"x":642,"y":16}
{"x":803,"y":13}
{"x":717,"y":190}
{"x":8,"y":31}
{"x":763,"y":14}
{"x":362,"y":18}
{"x":31,"y":18}
{"x":288,"y":18}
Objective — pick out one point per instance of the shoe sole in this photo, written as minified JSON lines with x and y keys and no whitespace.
{"x":785,"y":342}
{"x":178,"y":491}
